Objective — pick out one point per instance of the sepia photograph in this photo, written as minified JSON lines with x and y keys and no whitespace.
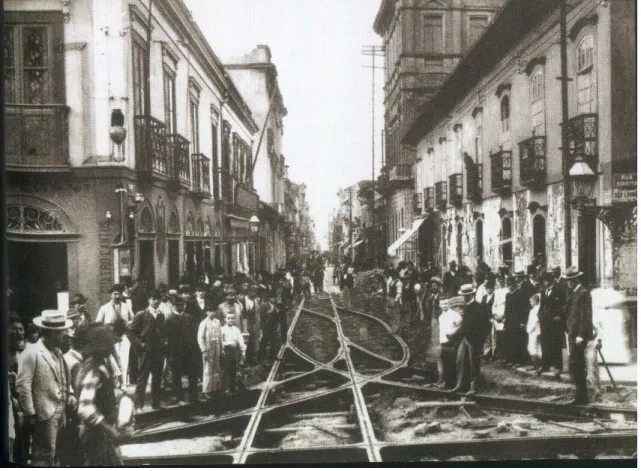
{"x":326,"y":232}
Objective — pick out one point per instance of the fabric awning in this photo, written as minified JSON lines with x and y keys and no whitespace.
{"x":391,"y":250}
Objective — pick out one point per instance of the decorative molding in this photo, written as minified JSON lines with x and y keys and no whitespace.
{"x":66,"y":12}
{"x":477,"y":110}
{"x":169,"y":52}
{"x":457,"y":126}
{"x":478,"y":215}
{"x":533,"y":63}
{"x":501,"y":88}
{"x":442,"y":139}
{"x":137,"y":15}
{"x":533,"y":207}
{"x":193,"y":84}
{"x":582,"y":23}
{"x":503,"y":212}
{"x":430,"y":150}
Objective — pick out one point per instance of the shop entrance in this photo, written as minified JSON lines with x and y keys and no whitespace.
{"x":37,"y":273}
{"x":146,"y":271}
{"x":173,"y":258}
{"x":587,"y":248}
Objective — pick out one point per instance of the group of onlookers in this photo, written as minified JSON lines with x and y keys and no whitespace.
{"x":521,"y":319}
{"x":66,"y":386}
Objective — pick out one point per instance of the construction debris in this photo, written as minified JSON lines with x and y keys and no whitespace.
{"x":425,"y":428}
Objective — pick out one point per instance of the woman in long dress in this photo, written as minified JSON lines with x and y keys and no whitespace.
{"x":210,"y":341}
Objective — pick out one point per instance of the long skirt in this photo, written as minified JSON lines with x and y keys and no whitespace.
{"x":122,"y":348}
{"x":211,"y":370}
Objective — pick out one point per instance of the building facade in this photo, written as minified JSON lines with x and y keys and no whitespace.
{"x":257,"y":79}
{"x":489,"y":161}
{"x":301,"y":240}
{"x":127,"y":151}
{"x":423,"y":42}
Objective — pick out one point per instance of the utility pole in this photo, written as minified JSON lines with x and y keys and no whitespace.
{"x":565,"y":151}
{"x":351,"y":249}
{"x":374,"y":52}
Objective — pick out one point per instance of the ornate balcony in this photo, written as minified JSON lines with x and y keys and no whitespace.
{"x":36,"y":137}
{"x":583,"y":135}
{"x":200,"y":183}
{"x":151,"y":153}
{"x":224,"y":186}
{"x":417,"y":204}
{"x":428,"y":199}
{"x":532,"y":154}
{"x":230,"y":191}
{"x":474,"y":182}
{"x":501,"y":168}
{"x":440,"y":190}
{"x":402,"y":172}
{"x":456,"y":189}
{"x":178,"y":151}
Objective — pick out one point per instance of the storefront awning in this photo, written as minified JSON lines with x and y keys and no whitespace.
{"x":391,"y":250}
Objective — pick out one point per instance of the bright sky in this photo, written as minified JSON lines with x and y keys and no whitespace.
{"x":316,"y":47}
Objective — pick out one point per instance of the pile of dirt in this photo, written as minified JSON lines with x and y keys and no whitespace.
{"x":316,"y":337}
{"x":326,"y":431}
{"x":181,"y":446}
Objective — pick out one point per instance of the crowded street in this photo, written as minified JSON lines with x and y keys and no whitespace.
{"x":348,"y":231}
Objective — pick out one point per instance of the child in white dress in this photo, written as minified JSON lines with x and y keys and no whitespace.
{"x":534,"y":331}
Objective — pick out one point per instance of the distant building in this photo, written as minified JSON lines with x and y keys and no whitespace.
{"x":257,"y":79}
{"x":423,"y":42}
{"x":488,"y":146}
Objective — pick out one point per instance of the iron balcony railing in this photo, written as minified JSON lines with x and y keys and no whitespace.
{"x":179,"y":172}
{"x":532,"y":155}
{"x":583,"y":135}
{"x":440,"y":189}
{"x":151,"y":155}
{"x":474,"y":182}
{"x":36,"y":136}
{"x":200,"y":183}
{"x":456,"y":189}
{"x":501,"y":169}
{"x":428,"y":197}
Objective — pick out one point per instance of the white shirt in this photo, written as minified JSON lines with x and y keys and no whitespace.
{"x":448,"y":321}
{"x":231,"y":336}
{"x":480,"y":292}
{"x":533,"y":325}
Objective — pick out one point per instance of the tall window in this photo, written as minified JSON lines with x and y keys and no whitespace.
{"x":193,"y":125}
{"x":476,"y":28}
{"x":505,"y":113}
{"x":141,"y":75}
{"x":537,"y":101}
{"x":28,"y":64}
{"x":478,"y":140}
{"x":433,"y":34}
{"x":586,"y":78}
{"x":458,"y":149}
{"x":169,"y":86}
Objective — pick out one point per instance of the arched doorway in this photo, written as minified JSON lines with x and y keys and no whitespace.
{"x":173,"y":248}
{"x":425,"y":241}
{"x":506,"y":240}
{"x":479,"y":240}
{"x":146,"y":239}
{"x":459,"y":244}
{"x":538,"y":237}
{"x":38,"y":234}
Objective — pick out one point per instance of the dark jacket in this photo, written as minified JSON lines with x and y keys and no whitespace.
{"x":146,"y":333}
{"x":512,"y":313}
{"x":181,"y":333}
{"x":552,"y":306}
{"x":476,"y":324}
{"x":451,"y":284}
{"x":432,"y":306}
{"x":580,"y":315}
{"x":487,"y":303}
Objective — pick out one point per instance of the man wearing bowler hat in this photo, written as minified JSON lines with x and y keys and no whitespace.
{"x":580,"y":331}
{"x":44,"y":388}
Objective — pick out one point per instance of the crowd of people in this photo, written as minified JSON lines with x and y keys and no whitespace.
{"x":69,"y":373}
{"x":520,"y":320}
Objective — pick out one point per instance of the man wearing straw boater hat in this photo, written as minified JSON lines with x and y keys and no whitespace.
{"x":44,"y":387}
{"x":580,"y":331}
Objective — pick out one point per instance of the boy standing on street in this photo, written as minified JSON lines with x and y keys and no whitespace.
{"x":233,"y":352}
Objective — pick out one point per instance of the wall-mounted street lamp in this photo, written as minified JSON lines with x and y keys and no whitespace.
{"x":129,"y":201}
{"x":583,"y":180}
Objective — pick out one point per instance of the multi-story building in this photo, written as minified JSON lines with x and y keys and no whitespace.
{"x":488,"y":145}
{"x":299,"y":228}
{"x":423,"y":42}
{"x":128,"y":150}
{"x":257,"y":79}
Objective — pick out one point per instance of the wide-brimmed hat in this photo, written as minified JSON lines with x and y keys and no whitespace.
{"x":510,"y":279}
{"x":436,"y":280}
{"x":572,"y":273}
{"x":52,"y":319}
{"x":78,"y":299}
{"x":466,"y":290}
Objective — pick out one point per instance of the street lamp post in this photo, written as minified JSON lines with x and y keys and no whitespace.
{"x":254,"y":224}
{"x":122,"y":249}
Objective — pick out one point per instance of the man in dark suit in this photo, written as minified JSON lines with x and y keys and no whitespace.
{"x":474,"y":329}
{"x":512,"y":330}
{"x":552,"y":319}
{"x":147,"y":334}
{"x":524,"y":292}
{"x":451,"y":281}
{"x":580,"y":331}
{"x":182,"y":351}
